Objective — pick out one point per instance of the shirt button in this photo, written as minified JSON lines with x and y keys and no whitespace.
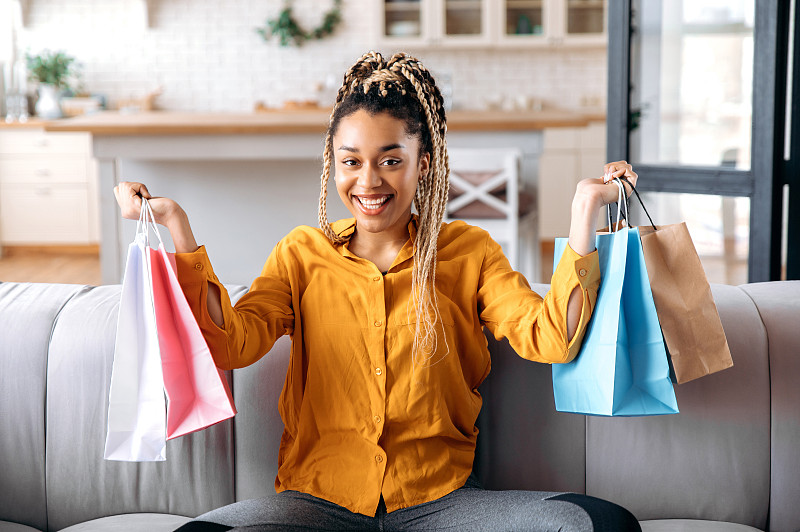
{"x":376,"y":278}
{"x":198,"y":266}
{"x":377,"y":419}
{"x":378,"y":371}
{"x":582,"y":272}
{"x":379,"y":459}
{"x":378,"y":323}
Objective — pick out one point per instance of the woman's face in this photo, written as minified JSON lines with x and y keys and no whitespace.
{"x":377,"y":170}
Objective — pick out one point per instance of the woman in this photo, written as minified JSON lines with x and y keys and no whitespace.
{"x":386,"y":312}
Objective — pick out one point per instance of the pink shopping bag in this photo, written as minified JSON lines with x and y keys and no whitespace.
{"x":198,"y":394}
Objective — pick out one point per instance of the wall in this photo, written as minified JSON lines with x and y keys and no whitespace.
{"x":207,"y":55}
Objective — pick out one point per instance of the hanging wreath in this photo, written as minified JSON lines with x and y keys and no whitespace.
{"x":289,"y":32}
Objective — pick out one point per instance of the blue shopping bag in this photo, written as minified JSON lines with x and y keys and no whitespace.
{"x":622,"y":367}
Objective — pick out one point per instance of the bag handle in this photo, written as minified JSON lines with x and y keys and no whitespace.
{"x":621,"y":200}
{"x":638,"y":197}
{"x":619,"y":182}
{"x":147,"y":220}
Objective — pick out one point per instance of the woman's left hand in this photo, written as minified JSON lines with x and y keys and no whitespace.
{"x":602,"y":191}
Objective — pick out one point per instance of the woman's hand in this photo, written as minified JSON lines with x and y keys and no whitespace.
{"x":590,"y":196}
{"x":166,"y":212}
{"x":129,"y":198}
{"x":603,"y":191}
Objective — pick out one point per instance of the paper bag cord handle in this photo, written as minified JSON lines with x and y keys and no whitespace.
{"x":622,"y":214}
{"x":638,"y":197}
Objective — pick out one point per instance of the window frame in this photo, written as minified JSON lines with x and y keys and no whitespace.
{"x":767,"y":144}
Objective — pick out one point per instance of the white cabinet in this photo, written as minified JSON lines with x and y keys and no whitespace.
{"x":423,"y":23}
{"x":48,"y":188}
{"x":490,"y":23}
{"x":568,"y":155}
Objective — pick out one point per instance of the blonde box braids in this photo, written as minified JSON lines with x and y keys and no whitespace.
{"x":405,"y":75}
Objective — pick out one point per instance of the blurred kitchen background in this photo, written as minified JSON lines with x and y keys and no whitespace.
{"x":532,"y":74}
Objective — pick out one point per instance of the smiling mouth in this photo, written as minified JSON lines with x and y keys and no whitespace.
{"x":373,"y":203}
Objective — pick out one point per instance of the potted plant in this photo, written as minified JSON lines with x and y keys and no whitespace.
{"x":52,"y":70}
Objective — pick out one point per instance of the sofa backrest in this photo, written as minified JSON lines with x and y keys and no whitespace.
{"x":27,"y":314}
{"x":711,"y":461}
{"x":52,"y":440}
{"x":731,"y":454}
{"x":779,"y":308}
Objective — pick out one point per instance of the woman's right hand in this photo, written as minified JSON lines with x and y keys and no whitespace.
{"x":165,"y":211}
{"x":129,"y":198}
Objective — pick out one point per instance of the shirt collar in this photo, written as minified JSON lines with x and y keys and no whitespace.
{"x":347,"y":226}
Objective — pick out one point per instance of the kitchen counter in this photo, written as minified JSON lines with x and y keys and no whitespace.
{"x":299,"y":121}
{"x":31,"y":123}
{"x":247,"y":179}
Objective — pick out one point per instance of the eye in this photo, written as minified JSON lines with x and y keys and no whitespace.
{"x":349,"y":162}
{"x":391,"y":162}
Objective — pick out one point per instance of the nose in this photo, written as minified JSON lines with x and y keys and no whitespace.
{"x":369,"y":177}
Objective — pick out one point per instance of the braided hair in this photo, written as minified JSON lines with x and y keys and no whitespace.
{"x":404,"y":89}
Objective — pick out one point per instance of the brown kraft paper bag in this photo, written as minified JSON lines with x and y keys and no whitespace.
{"x":689,"y":319}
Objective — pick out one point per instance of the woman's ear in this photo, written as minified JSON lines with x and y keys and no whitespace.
{"x":424,"y":164}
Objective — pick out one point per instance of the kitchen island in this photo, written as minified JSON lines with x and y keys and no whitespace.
{"x":247,"y":179}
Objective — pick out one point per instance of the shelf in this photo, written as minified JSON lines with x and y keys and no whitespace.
{"x":524,"y":4}
{"x":453,"y":5}
{"x":587,"y":4}
{"x":412,"y":5}
{"x":391,"y":8}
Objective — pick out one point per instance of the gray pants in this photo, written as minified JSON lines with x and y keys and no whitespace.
{"x":466,"y":509}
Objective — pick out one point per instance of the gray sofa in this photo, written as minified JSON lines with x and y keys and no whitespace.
{"x":730,"y":461}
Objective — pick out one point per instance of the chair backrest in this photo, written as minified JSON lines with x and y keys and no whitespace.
{"x":484,"y":191}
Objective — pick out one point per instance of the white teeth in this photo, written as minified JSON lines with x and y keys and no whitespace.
{"x":372,"y":204}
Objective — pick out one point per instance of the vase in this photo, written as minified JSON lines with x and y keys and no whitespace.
{"x":48,"y":106}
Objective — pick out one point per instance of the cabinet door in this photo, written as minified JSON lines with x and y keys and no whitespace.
{"x":43,"y":214}
{"x":403,"y":23}
{"x":524,"y":22}
{"x":584,"y":21}
{"x":552,"y":23}
{"x":462,"y":23}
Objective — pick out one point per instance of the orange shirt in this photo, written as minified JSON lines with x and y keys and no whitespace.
{"x":360,"y":420}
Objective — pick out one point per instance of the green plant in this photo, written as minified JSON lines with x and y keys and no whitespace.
{"x":53,"y":68}
{"x":289,"y":32}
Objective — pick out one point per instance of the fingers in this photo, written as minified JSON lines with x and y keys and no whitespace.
{"x":620,"y":169}
{"x":129,"y":197}
{"x":616,"y":169}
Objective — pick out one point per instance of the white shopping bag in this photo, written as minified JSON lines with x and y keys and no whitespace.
{"x":136,"y":402}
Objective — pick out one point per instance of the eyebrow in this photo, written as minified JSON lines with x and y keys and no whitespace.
{"x":386,"y":148}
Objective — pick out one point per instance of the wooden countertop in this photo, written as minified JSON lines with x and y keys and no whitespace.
{"x":299,"y":121}
{"x":31,"y":123}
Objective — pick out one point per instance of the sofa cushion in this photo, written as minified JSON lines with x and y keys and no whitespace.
{"x":693,"y":525}
{"x":198,"y":473}
{"x":7,"y":526}
{"x":131,"y":523}
{"x":711,"y":461}
{"x":27,"y":312}
{"x":779,"y":307}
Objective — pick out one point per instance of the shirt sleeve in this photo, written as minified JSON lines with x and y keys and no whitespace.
{"x":251,"y":327}
{"x":536,"y":327}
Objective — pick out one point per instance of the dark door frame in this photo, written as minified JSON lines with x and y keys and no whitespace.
{"x":763,"y":183}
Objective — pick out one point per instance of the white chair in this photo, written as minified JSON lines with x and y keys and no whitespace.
{"x":485,"y":191}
